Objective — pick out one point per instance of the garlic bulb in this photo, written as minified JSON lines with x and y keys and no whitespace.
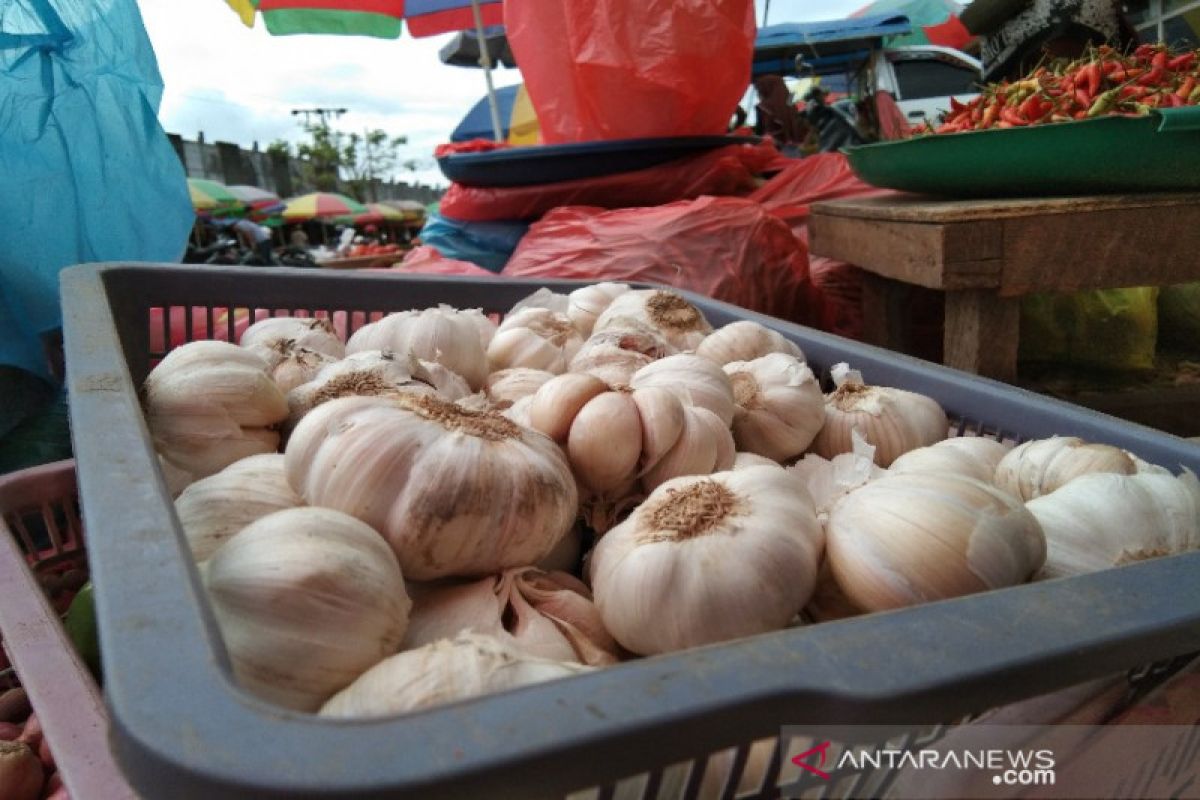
{"x":705,"y":445}
{"x":827,"y":480}
{"x":584,"y":305}
{"x":369,"y":373}
{"x":970,"y":456}
{"x":536,"y":338}
{"x":509,"y":385}
{"x":746,"y":460}
{"x":893,"y":420}
{"x":448,"y":383}
{"x":745,"y":340}
{"x":455,"y":492}
{"x":541,"y":614}
{"x":296,"y":366}
{"x":543,"y":298}
{"x":211,"y":403}
{"x":780,"y":406}
{"x":448,"y":670}
{"x":667,"y":313}
{"x":708,"y":559}
{"x":214,"y":509}
{"x":305,"y":332}
{"x":695,"y":380}
{"x":906,"y":539}
{"x":1038,"y":467}
{"x":615,"y":355}
{"x":446,"y":335}
{"x":306,"y":600}
{"x":1103,"y":520}
{"x":518,"y":412}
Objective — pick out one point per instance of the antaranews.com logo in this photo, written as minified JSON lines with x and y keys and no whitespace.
{"x":1007,"y":767}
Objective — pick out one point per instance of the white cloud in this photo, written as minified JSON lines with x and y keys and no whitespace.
{"x":239,"y":85}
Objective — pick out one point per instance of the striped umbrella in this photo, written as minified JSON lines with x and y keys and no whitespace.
{"x":933,"y":22}
{"x":380,"y":18}
{"x":321,"y":205}
{"x":410,"y":210}
{"x":385,"y":212}
{"x":261,"y":203}
{"x":210,"y":197}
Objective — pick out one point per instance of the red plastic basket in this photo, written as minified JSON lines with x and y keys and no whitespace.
{"x":40,"y":533}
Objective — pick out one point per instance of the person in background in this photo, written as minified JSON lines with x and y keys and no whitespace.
{"x":298,"y":239}
{"x":1015,"y":35}
{"x":255,"y":237}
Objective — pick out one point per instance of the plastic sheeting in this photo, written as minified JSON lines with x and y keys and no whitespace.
{"x":428,"y":260}
{"x":612,"y":69}
{"x":727,"y":248}
{"x":486,"y":244}
{"x":89,"y":174}
{"x":730,"y":170}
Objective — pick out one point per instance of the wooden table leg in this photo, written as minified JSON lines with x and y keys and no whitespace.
{"x":885,"y":306}
{"x":981,"y":333}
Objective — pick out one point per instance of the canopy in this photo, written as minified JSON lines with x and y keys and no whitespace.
{"x":464,"y":51}
{"x":319,"y":205}
{"x":211,"y":197}
{"x":825,"y":46}
{"x":933,"y":22}
{"x":518,"y":122}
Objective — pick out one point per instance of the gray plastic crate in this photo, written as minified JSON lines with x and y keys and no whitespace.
{"x":182,"y":729}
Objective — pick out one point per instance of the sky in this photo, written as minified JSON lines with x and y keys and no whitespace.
{"x":240,"y":85}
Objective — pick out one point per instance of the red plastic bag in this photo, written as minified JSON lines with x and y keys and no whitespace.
{"x":615,"y":69}
{"x":729,"y":170}
{"x":428,"y":260}
{"x":727,"y":248}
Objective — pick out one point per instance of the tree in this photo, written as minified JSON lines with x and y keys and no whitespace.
{"x":322,"y":157}
{"x":370,"y":158}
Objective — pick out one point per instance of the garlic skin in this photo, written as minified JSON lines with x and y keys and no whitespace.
{"x":695,"y":380}
{"x":543,"y":298}
{"x":906,"y":539}
{"x":211,"y":403}
{"x":615,"y":355}
{"x":297,"y":366}
{"x":708,"y":559}
{"x":507,"y":386}
{"x":893,"y":420}
{"x":541,"y":614}
{"x":369,"y":373}
{"x":301,"y":332}
{"x":446,"y":335}
{"x":780,"y":406}
{"x":1102,"y":520}
{"x":970,"y":456}
{"x":214,"y":509}
{"x":1041,"y":466}
{"x":742,"y":460}
{"x":455,"y":492}
{"x":827,"y":480}
{"x":535,"y":338}
{"x":448,"y":383}
{"x":443,"y":672}
{"x":306,"y":600}
{"x":586,"y":304}
{"x":745,"y":340}
{"x":518,"y":412}
{"x":704,"y":446}
{"x":669,"y":314}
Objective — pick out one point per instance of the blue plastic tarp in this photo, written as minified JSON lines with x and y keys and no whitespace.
{"x":88,"y":173}
{"x":826,"y":46}
{"x":486,"y":244}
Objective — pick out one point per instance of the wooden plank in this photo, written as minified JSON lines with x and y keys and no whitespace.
{"x":981,"y":333}
{"x":962,"y":256}
{"x":918,"y":208}
{"x":1102,"y":249}
{"x":886,"y":318}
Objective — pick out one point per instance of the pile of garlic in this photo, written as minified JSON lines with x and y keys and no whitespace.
{"x":450,"y":504}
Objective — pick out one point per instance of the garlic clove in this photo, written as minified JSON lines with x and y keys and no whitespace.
{"x":542,"y":298}
{"x":971,"y":456}
{"x":506,"y":386}
{"x":442,"y":672}
{"x":536,"y":338}
{"x":1041,"y":466}
{"x":584,"y":305}
{"x":662,"y":419}
{"x":297,"y":366}
{"x":616,"y":354}
{"x":560,"y":400}
{"x":745,"y":340}
{"x":695,"y":380}
{"x":449,"y":336}
{"x":704,"y":446}
{"x":906,"y":539}
{"x":302,"y":332}
{"x":605,"y":441}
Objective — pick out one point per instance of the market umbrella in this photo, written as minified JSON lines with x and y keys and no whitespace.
{"x":210,"y":197}
{"x":321,"y":205}
{"x":261,"y":203}
{"x":934,"y":22}
{"x":386,"y":213}
{"x":411,"y":210}
{"x":518,"y":120}
{"x":464,"y":49}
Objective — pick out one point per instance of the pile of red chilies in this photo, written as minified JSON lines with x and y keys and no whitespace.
{"x":1104,"y":82}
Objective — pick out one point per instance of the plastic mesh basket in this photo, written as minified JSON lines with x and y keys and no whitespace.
{"x":41,"y":535}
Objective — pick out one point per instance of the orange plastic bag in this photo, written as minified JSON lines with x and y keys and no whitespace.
{"x":620,"y":69}
{"x":428,"y":260}
{"x":724,"y":247}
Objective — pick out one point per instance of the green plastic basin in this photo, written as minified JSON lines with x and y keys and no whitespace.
{"x":1156,"y":153}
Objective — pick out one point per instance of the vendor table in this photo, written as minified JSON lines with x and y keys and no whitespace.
{"x":985,"y":254}
{"x":363,"y":262}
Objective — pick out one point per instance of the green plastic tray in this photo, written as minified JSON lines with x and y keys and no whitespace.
{"x":1156,"y":153}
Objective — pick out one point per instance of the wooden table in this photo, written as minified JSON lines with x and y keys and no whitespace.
{"x":985,"y":254}
{"x":363,"y":262}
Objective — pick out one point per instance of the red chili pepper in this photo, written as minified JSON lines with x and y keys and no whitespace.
{"x":990,"y":115}
{"x":1144,"y":50}
{"x":1173,"y":100}
{"x":1181,"y":62}
{"x":1154,"y":76}
{"x":1108,"y":67}
{"x":1185,"y":89}
{"x":1082,"y":98}
{"x":1012,"y":117}
{"x":1093,"y":79}
{"x":1134,"y":91}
